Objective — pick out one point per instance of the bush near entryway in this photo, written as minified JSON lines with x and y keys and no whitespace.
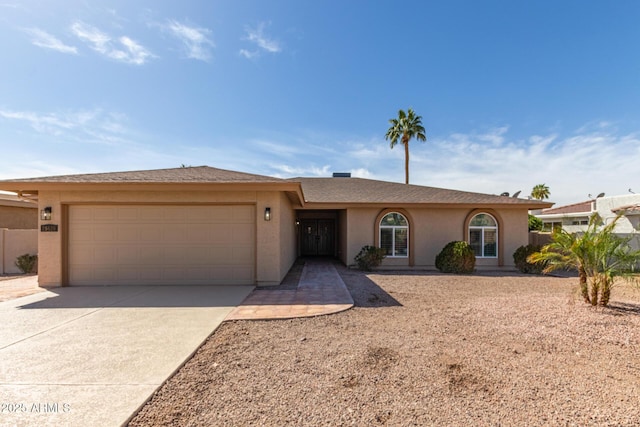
{"x":27,"y":263}
{"x":520,"y":259}
{"x":456,"y":257}
{"x":369,"y":257}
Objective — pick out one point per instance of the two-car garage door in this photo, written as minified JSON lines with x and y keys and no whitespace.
{"x":161,"y":244}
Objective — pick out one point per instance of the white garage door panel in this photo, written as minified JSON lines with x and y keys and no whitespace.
{"x":165,"y":245}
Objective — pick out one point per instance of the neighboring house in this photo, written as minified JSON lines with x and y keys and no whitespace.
{"x":575,"y":217}
{"x":16,"y":213}
{"x":202,"y":225}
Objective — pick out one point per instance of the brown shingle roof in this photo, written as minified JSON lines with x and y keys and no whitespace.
{"x":198,"y":174}
{"x":568,"y":209}
{"x":359,"y":190}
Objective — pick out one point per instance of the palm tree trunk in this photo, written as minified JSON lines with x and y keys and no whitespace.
{"x":584,"y":287}
{"x":406,"y":162}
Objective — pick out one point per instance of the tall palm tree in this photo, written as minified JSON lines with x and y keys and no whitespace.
{"x":540,"y":192}
{"x":405,"y":127}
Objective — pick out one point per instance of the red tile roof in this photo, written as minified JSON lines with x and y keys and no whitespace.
{"x":628,"y":209}
{"x":569,"y":209}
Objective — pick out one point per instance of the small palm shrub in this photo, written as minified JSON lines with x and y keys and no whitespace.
{"x":369,"y":257}
{"x":520,"y":259}
{"x":27,"y":263}
{"x":456,"y":257}
{"x":600,"y":256}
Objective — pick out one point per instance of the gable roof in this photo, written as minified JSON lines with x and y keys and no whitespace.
{"x":367,"y":191}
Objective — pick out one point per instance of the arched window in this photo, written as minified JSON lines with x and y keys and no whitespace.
{"x":483,"y":235}
{"x":394,"y":235}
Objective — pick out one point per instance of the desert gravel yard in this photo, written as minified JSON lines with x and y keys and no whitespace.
{"x":421,"y":349}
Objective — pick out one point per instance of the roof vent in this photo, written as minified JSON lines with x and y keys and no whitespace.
{"x":342,"y":174}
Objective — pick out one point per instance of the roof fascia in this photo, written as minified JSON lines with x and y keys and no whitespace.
{"x":34,"y":188}
{"x":564,"y":215}
{"x":345,"y":205}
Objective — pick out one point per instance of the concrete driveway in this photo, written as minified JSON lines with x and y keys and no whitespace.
{"x":84,"y":356}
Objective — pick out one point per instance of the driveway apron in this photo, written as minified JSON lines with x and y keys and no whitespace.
{"x":85,"y":356}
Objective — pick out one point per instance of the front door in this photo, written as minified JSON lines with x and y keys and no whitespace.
{"x":318,"y":237}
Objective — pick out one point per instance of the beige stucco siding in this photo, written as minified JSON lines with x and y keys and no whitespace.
{"x":53,"y":246}
{"x":14,"y":243}
{"x":18,"y":218}
{"x":288,"y":238}
{"x":343,"y":240}
{"x":431,"y":229}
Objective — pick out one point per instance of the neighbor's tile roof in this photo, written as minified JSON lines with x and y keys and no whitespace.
{"x":628,"y":209}
{"x":198,"y":174}
{"x":359,"y":190}
{"x":569,"y":209}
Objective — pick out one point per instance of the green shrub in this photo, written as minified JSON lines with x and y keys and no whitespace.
{"x":27,"y":263}
{"x":535,"y":223}
{"x":369,"y":257}
{"x":456,"y":257}
{"x":520,"y":259}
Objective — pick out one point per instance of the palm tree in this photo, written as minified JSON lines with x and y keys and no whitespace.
{"x":540,"y":192}
{"x":405,"y":127}
{"x":600,"y":256}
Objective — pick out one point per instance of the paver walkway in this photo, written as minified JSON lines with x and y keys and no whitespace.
{"x":320,"y":291}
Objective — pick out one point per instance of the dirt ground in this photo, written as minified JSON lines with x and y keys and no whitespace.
{"x":421,"y":349}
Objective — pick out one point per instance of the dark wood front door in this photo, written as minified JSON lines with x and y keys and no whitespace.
{"x":318,"y":237}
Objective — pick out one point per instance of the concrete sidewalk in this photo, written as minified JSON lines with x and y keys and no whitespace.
{"x":90,"y":356}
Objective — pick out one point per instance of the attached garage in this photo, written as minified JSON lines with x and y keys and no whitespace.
{"x":161,"y":244}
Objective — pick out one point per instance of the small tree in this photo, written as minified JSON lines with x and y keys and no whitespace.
{"x":598,"y":254}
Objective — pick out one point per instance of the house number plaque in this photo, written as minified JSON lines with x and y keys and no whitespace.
{"x":49,"y":228}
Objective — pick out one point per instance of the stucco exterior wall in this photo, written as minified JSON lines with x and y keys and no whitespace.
{"x":270,"y":258}
{"x":343,"y":240}
{"x":18,"y":218}
{"x":288,"y":238}
{"x":14,"y":243}
{"x":431,"y":229}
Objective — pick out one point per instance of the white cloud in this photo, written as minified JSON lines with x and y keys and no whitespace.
{"x":491,"y":163}
{"x":263,"y":42}
{"x":84,"y":126}
{"x":122,"y":49}
{"x":195,"y":40}
{"x":248,"y":54}
{"x":45,"y":40}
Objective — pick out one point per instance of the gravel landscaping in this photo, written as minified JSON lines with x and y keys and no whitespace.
{"x":421,"y":349}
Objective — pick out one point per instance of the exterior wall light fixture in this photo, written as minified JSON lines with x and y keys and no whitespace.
{"x":267,"y":214}
{"x":45,"y":214}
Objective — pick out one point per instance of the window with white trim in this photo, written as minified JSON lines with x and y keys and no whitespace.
{"x":394,"y":235}
{"x":483,"y":236}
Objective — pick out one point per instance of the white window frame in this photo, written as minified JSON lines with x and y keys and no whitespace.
{"x":482,"y":229}
{"x":393,"y":229}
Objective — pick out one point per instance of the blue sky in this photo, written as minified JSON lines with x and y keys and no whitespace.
{"x":512,"y":93}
